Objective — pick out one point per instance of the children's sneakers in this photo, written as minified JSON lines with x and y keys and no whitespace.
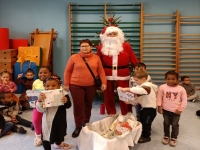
{"x":37,"y":140}
{"x":144,"y":139}
{"x":173,"y":142}
{"x":165,"y":140}
{"x":21,"y":130}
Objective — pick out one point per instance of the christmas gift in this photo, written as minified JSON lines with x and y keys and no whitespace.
{"x":113,"y":132}
{"x":53,"y":98}
{"x":33,"y":96}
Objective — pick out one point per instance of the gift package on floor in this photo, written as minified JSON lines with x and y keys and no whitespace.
{"x":113,"y":132}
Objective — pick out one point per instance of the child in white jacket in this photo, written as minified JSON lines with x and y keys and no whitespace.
{"x":146,"y":93}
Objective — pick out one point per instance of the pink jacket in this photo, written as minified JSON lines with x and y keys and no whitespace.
{"x":172,"y":98}
{"x":7,"y":88}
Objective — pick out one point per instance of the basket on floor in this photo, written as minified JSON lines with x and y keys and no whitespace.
{"x":94,"y":139}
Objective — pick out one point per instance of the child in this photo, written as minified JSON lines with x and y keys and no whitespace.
{"x":7,"y":127}
{"x":171,"y":101}
{"x":132,"y":83}
{"x":44,"y":72}
{"x":138,"y":66}
{"x":8,"y":86}
{"x":189,"y":87}
{"x":54,"y":118}
{"x":146,"y":93}
{"x":10,"y":110}
{"x":27,"y":82}
{"x":5,"y":84}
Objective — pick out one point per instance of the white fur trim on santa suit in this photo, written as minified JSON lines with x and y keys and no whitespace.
{"x":114,"y":53}
{"x":114,"y":72}
{"x":112,"y":46}
{"x":112,"y":29}
{"x":117,"y":78}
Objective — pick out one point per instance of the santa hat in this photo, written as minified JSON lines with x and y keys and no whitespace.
{"x":111,"y":25}
{"x":110,"y":29}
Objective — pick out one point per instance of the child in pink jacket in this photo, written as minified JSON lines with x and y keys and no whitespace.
{"x":171,"y":101}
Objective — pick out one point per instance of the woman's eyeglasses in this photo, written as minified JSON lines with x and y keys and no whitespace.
{"x":85,"y":46}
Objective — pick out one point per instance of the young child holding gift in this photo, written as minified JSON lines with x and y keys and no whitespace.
{"x":132,"y":83}
{"x":54,"y":118}
{"x":146,"y":92}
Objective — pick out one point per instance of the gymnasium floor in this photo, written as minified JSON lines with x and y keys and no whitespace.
{"x":188,"y":137}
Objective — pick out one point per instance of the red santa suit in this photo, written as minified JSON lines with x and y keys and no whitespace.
{"x":117,"y":70}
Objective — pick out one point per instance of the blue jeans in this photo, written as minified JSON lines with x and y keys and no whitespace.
{"x":8,"y":126}
{"x":147,"y":116}
{"x":137,"y":110}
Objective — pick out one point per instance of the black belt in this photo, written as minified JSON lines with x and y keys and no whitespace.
{"x":116,"y":67}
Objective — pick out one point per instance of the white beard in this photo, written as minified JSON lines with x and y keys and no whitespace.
{"x":111,"y":46}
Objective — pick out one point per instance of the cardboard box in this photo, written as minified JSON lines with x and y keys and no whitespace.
{"x":9,"y":55}
{"x":6,"y":66}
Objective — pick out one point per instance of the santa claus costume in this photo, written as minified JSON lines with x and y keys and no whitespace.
{"x":116,"y":56}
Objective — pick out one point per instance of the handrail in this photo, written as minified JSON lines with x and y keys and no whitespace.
{"x":135,"y":10}
{"x":108,"y":5}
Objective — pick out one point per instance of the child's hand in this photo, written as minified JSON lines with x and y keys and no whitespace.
{"x":19,"y":75}
{"x":41,"y":97}
{"x":125,"y":89}
{"x":122,"y":89}
{"x":64,"y":100}
{"x":126,"y":102}
{"x":178,"y":112}
{"x":160,"y":111}
{"x":14,"y":120}
{"x":13,"y":117}
{"x":119,"y":88}
{"x":136,"y":103}
{"x":27,"y":97}
{"x":130,"y":102}
{"x":5,"y":82}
